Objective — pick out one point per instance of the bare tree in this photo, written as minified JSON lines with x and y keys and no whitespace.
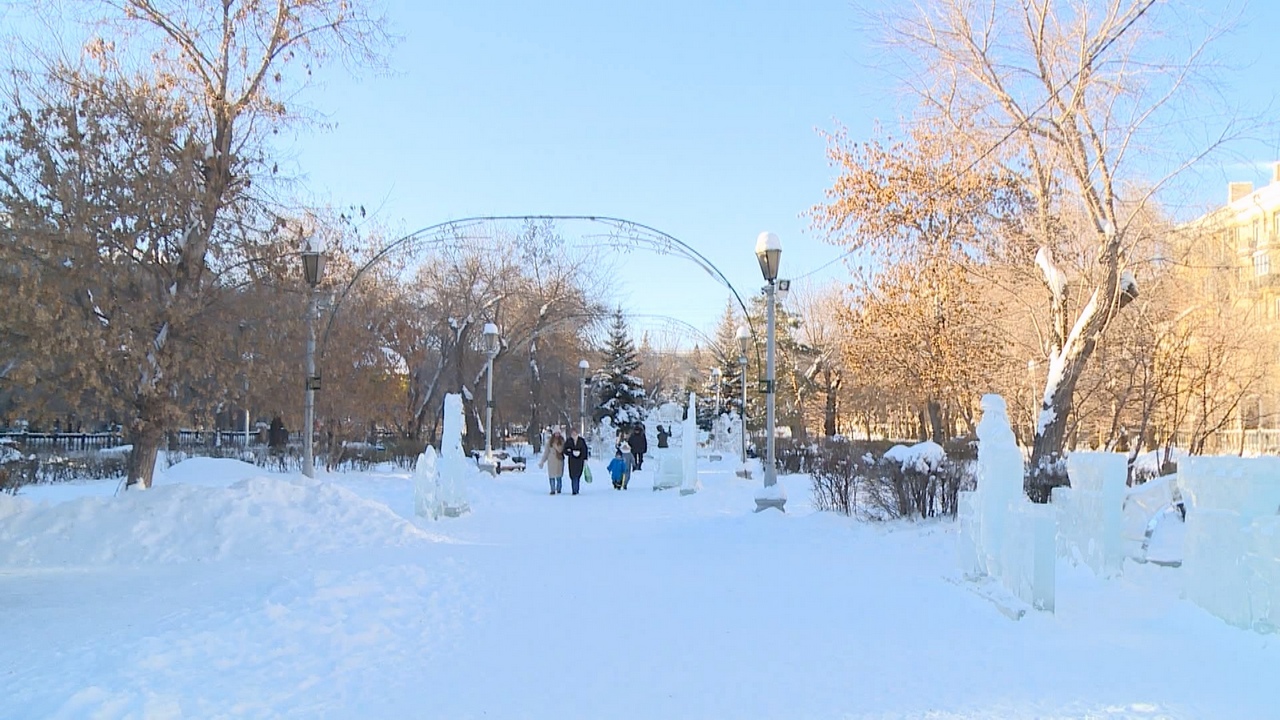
{"x":1081,"y":98}
{"x":177,"y":135}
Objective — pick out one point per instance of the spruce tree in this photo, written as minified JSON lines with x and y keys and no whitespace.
{"x":621,"y":393}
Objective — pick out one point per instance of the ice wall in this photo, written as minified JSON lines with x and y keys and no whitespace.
{"x":1003,"y":535}
{"x":1090,"y":513}
{"x":1231,"y":552}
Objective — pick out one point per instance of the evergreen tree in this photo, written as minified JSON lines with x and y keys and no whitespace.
{"x":725,"y":352}
{"x":620,"y":391}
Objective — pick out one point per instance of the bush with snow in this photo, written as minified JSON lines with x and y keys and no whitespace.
{"x":907,"y":481}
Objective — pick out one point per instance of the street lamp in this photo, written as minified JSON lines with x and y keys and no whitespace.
{"x":583,"y":366}
{"x":313,"y":271}
{"x":769,"y":255}
{"x":491,"y":345}
{"x":744,"y":339}
{"x":715,"y":380}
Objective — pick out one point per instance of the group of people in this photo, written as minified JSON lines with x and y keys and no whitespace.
{"x":560,"y":454}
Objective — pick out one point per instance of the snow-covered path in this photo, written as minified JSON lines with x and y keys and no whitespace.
{"x":611,"y":604}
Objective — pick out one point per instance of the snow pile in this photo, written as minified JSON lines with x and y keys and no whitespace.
{"x":923,"y":457}
{"x":177,"y":523}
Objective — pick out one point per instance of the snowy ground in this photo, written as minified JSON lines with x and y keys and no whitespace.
{"x":225,"y":592}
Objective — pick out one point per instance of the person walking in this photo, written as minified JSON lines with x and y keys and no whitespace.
{"x":618,"y":470}
{"x":576,"y":452}
{"x":639,"y":446}
{"x":553,"y":459}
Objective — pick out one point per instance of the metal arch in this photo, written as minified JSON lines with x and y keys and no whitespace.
{"x":657,"y":240}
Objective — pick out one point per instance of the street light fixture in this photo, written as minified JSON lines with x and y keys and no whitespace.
{"x":492,"y":342}
{"x":744,"y":340}
{"x":769,"y":255}
{"x":313,"y":272}
{"x":583,"y":367}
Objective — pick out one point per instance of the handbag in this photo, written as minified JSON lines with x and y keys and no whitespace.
{"x":586,"y":472}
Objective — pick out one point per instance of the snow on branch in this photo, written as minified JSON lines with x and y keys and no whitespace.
{"x":1053,"y":277}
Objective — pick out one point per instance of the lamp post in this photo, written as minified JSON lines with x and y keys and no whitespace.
{"x":715,"y":380}
{"x":744,"y":339}
{"x":491,"y":345}
{"x":583,"y":366}
{"x":769,"y":255}
{"x":313,"y":270}
{"x":246,"y":358}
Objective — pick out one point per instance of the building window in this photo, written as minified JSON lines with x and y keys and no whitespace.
{"x":1261,"y":264}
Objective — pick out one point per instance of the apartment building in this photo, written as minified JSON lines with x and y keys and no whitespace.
{"x":1234,"y":254}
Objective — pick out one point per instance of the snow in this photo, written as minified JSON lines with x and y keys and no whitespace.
{"x":767,"y":241}
{"x":1128,"y":283}
{"x":227,"y":591}
{"x":1053,"y":276}
{"x":924,"y":457}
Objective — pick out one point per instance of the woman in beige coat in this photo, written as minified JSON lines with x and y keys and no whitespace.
{"x":553,"y":458}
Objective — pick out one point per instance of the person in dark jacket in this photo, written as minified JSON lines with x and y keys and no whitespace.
{"x":662,"y":436}
{"x":575,"y":451}
{"x":639,"y":446}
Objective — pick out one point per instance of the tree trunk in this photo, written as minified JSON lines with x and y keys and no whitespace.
{"x":937,"y":433}
{"x":829,"y":414}
{"x":145,"y":434}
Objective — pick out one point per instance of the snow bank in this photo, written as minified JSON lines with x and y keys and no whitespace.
{"x":176,"y":523}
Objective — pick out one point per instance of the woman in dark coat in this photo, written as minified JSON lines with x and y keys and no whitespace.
{"x":575,"y":451}
{"x":639,"y":445}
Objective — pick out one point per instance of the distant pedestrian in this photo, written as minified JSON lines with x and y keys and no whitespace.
{"x":277,"y":435}
{"x":639,"y":446}
{"x":576,"y":452}
{"x":662,"y":437}
{"x":553,"y":459}
{"x":619,"y":471}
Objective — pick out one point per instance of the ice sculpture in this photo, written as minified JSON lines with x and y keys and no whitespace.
{"x":1230,"y":563}
{"x":454,"y":468}
{"x":425,"y":477}
{"x":689,"y":449}
{"x":1091,"y":512}
{"x":1003,"y":535}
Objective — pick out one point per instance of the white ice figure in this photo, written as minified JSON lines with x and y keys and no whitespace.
{"x":668,"y":414}
{"x":732,"y":434}
{"x":602,"y":445}
{"x":454,"y":467}
{"x":689,"y":448}
{"x":999,"y":481}
{"x":1010,"y":538}
{"x":425,"y":482}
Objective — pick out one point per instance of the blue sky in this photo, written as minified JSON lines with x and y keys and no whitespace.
{"x":700,"y":119}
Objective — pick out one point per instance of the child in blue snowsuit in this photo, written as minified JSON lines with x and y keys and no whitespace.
{"x":618,"y":470}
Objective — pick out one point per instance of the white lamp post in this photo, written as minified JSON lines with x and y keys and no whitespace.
{"x":491,"y":345}
{"x":744,"y":340}
{"x":769,"y":255}
{"x":583,"y":366}
{"x":715,"y":380}
{"x":313,"y":270}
